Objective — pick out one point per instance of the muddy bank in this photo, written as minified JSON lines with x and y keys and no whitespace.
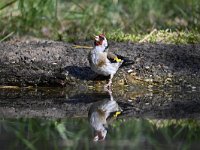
{"x":61,"y":103}
{"x":49,"y":63}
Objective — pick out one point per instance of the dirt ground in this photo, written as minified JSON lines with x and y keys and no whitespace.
{"x":162,"y":83}
{"x":49,"y":63}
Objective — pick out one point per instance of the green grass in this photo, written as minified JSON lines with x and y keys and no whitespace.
{"x":120,"y":20}
{"x":157,"y":36}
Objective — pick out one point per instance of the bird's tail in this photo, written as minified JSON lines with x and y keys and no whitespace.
{"x":126,"y":61}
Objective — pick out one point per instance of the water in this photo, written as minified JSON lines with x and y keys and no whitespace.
{"x":64,"y":119}
{"x":76,"y":133}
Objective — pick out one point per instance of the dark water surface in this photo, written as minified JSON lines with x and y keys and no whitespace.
{"x":99,"y":120}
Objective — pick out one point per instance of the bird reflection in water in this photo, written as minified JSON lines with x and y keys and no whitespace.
{"x":99,"y":113}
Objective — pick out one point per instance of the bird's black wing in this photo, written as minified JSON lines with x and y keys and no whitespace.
{"x":111,"y":57}
{"x":126,"y":61}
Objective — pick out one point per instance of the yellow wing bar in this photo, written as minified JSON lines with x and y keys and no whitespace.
{"x":117,"y":59}
{"x":117,"y":113}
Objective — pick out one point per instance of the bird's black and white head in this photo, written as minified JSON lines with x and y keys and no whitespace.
{"x":100,"y":42}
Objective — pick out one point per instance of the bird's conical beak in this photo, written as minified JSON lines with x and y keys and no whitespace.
{"x":96,"y":38}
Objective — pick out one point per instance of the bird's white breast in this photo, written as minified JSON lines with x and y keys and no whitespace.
{"x":106,"y":69}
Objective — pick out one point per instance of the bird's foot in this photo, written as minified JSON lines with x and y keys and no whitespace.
{"x":108,"y":87}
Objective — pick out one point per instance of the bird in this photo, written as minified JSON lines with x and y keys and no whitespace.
{"x":99,"y":113}
{"x":103,"y":62}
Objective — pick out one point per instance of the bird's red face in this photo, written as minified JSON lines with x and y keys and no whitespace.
{"x":99,"y":40}
{"x":100,"y":135}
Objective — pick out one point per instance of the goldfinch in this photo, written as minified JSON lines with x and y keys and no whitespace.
{"x":103,"y":62}
{"x":98,"y":114}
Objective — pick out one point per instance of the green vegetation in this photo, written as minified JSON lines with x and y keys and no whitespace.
{"x":176,"y":21}
{"x":76,"y":134}
{"x":161,"y":36}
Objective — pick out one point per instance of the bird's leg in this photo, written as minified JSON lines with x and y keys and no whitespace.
{"x":109,"y":83}
{"x":110,"y":80}
{"x":110,"y":93}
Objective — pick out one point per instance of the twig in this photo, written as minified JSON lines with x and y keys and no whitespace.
{"x":146,"y":37}
{"x":7,"y":36}
{"x":80,"y":46}
{"x":8,"y":4}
